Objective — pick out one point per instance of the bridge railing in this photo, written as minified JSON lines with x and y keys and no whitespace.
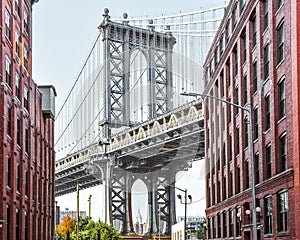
{"x":175,"y":119}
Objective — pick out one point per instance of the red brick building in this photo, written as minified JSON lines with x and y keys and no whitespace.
{"x":26,"y":132}
{"x":254,"y":59}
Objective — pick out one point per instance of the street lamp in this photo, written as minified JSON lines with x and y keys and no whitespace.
{"x":247,"y":108}
{"x":185,"y":202}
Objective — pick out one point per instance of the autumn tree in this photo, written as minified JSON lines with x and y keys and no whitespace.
{"x":66,"y":227}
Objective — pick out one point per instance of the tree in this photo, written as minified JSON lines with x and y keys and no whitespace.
{"x":88,"y":229}
{"x":66,"y":227}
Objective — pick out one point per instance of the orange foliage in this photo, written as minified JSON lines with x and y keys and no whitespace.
{"x":66,"y":226}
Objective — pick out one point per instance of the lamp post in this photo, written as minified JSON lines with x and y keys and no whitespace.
{"x":89,"y":203}
{"x":56,"y":219}
{"x":186,"y":197}
{"x":247,"y":108}
{"x":77,"y":211}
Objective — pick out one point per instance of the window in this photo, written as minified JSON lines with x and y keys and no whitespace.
{"x":8,"y":71}
{"x":25,"y":98}
{"x":8,"y":221}
{"x":18,"y":178}
{"x":26,"y":182}
{"x":26,"y":22}
{"x":224,"y":188}
{"x":230,"y":184}
{"x":224,"y":155}
{"x":230,"y":148}
{"x":26,"y":225}
{"x":9,"y":121}
{"x":214,"y":226}
{"x":280,"y":42}
{"x":268,"y":215}
{"x":282,"y":213}
{"x":228,"y":70}
{"x":222,"y":83}
{"x":17,"y":43}
{"x":255,"y":116}
{"x":237,"y":102}
{"x":281,"y":99}
{"x":247,"y":175}
{"x":246,"y":132}
{"x":238,"y":179}
{"x":219,"y":225}
{"x":19,"y":132}
{"x":266,"y":13}
{"x":282,"y":152}
{"x":237,"y":141}
{"x":238,"y":221}
{"x":267,"y":112}
{"x":268,"y":161}
{"x":26,"y":58}
{"x":216,"y":57}
{"x":221,"y":46}
{"x":242,"y":5}
{"x":244,"y":45}
{"x":266,"y":60}
{"x":27,"y":140}
{"x":231,"y":223}
{"x":254,"y":73}
{"x":227,"y":31}
{"x":8,"y":171}
{"x":256,"y":168}
{"x":234,"y":16}
{"x":17,"y":222}
{"x":253,"y":23}
{"x":17,"y":79}
{"x":245,"y":90}
{"x":17,"y":7}
{"x":236,"y":61}
{"x":279,"y":3}
{"x":224,"y":215}
{"x":209,"y":228}
{"x":218,"y":191}
{"x":7,"y":25}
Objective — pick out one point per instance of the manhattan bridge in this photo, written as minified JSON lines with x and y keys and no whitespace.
{"x":124,"y":118}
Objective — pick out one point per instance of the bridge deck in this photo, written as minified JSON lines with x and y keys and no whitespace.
{"x":152,"y":145}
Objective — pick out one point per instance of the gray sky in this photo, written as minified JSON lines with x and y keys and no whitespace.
{"x":63,"y":33}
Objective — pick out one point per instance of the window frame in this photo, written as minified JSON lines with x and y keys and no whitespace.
{"x":255,"y":76}
{"x":266,"y":59}
{"x":268,"y":160}
{"x":254,"y":29}
{"x":281,"y":98}
{"x":283,"y":152}
{"x":266,"y":14}
{"x":280,"y":41}
{"x":256,"y":125}
{"x":256,"y":168}
{"x":8,"y":71}
{"x":267,"y":112}
{"x":282,"y":211}
{"x":7,"y":19}
{"x":8,"y":171}
{"x":268,"y":215}
{"x":231,"y":222}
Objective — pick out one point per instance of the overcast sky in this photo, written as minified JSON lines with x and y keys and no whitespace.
{"x":63,"y":33}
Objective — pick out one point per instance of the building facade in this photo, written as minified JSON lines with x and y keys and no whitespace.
{"x":26,"y":132}
{"x":254,"y":60}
